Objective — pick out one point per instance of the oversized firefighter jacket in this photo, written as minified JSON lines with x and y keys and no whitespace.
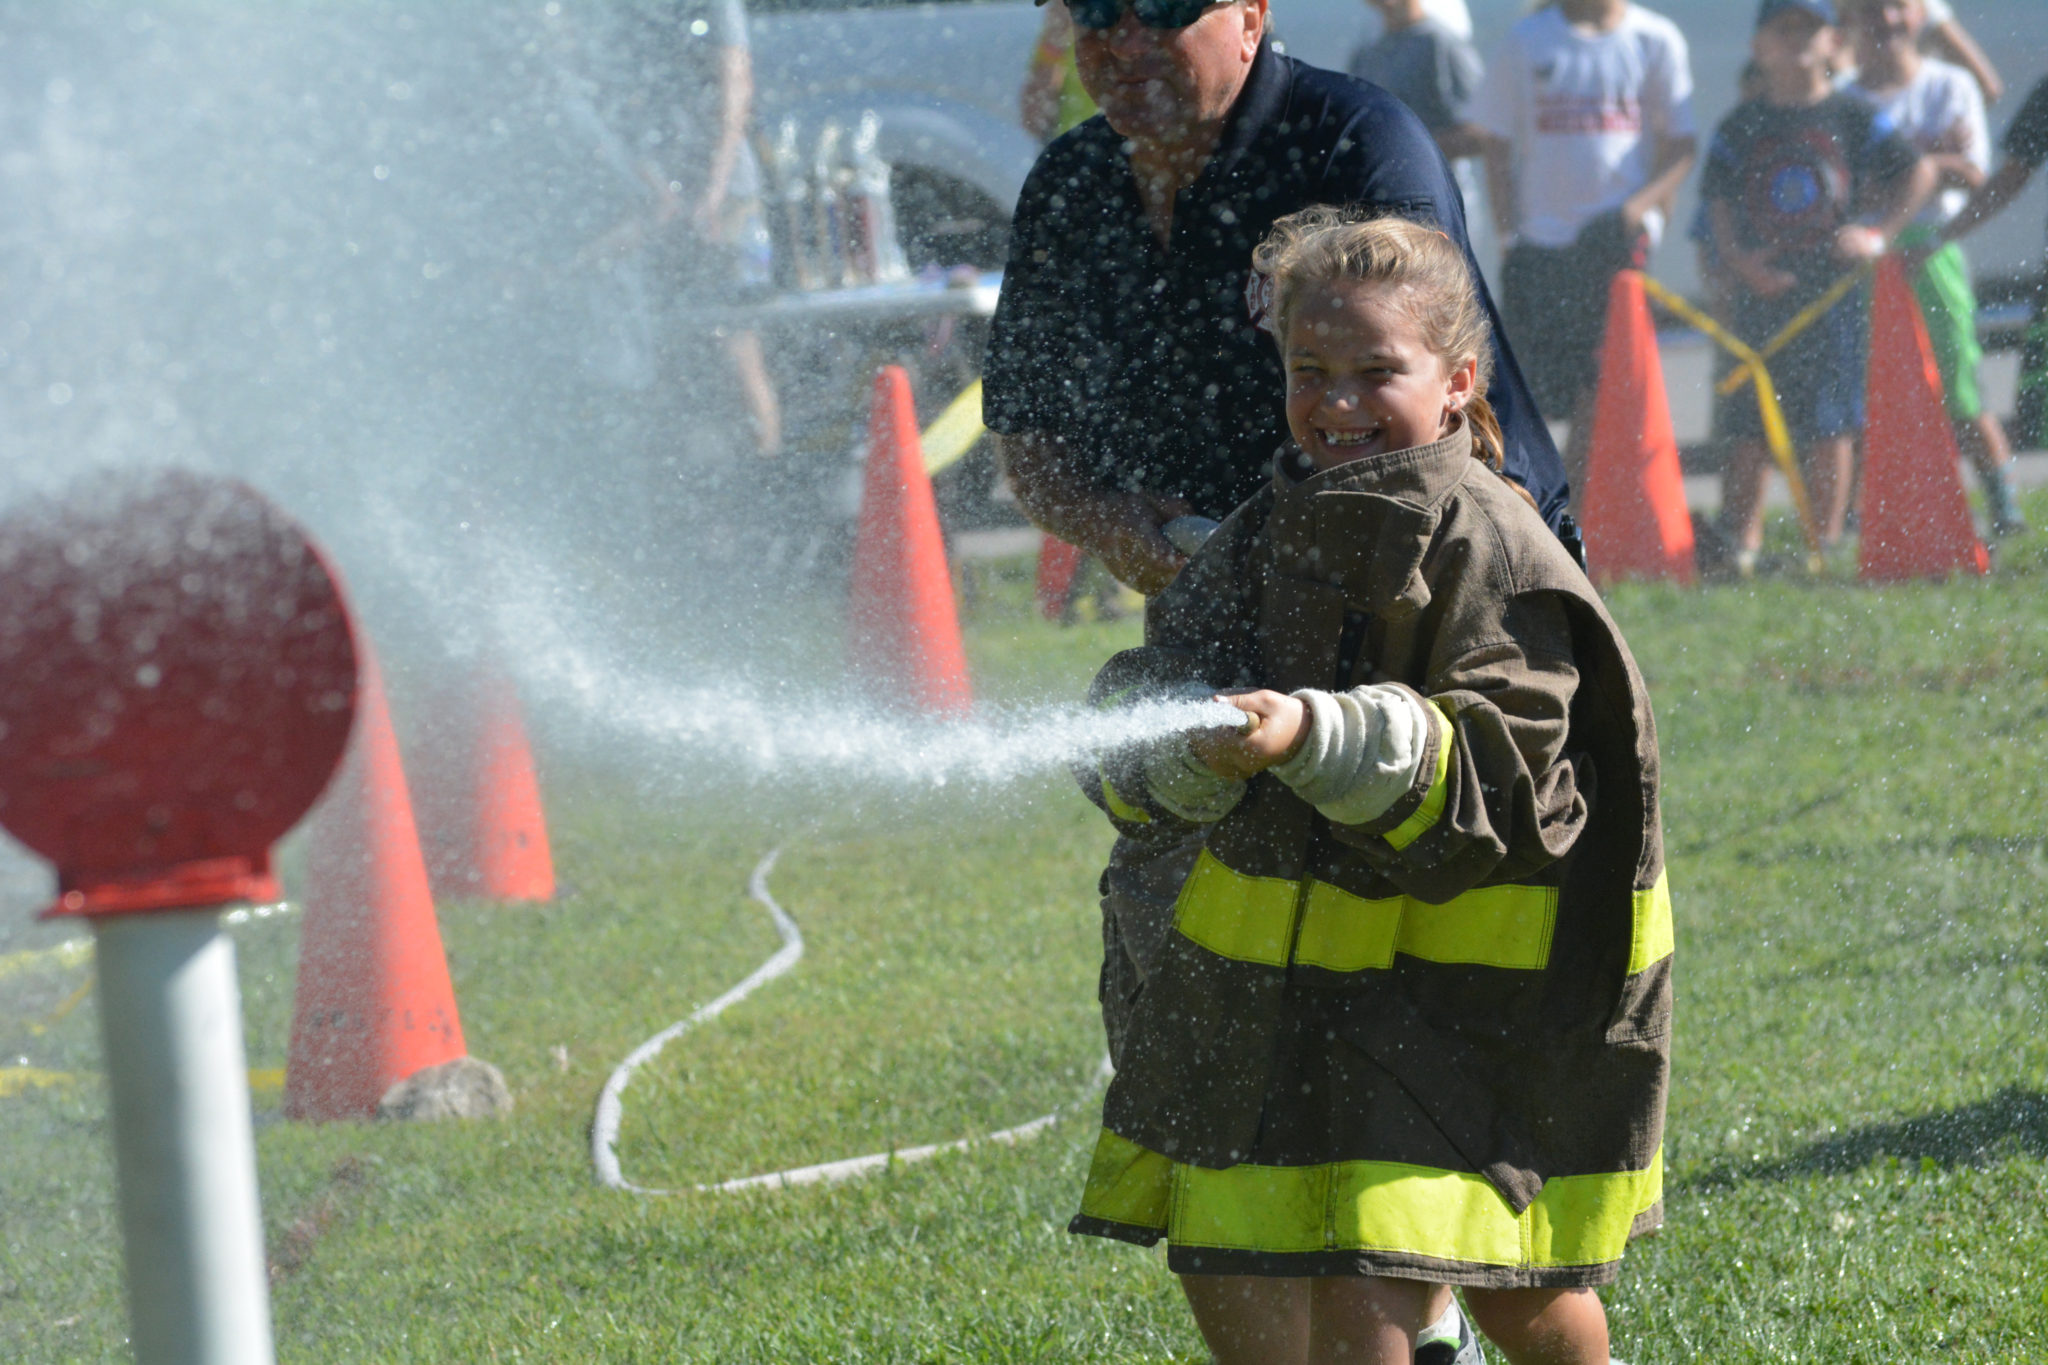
{"x":1437,"y":1043}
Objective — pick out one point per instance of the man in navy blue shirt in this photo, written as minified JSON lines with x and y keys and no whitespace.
{"x":1127,"y":377}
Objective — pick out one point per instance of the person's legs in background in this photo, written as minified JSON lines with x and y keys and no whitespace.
{"x":1742,"y":500}
{"x":1829,"y":465}
{"x":764,"y":411}
{"x":1948,"y":303}
{"x":1556,"y":298}
{"x":1541,"y":290}
{"x":744,"y":231}
{"x":2030,"y":412}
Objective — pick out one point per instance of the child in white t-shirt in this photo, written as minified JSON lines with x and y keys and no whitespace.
{"x":1940,"y":110}
{"x":1588,"y":113}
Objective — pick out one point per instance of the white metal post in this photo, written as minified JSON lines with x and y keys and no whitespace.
{"x":171,"y":1013}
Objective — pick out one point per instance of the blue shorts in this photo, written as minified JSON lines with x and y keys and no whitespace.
{"x":1819,"y":377}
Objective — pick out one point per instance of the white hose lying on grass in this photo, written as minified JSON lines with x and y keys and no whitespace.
{"x":604,"y":1127}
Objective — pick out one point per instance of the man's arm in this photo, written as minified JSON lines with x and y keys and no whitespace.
{"x":1121,"y":529}
{"x":1668,"y":118}
{"x":1461,"y":140}
{"x":735,"y":106}
{"x":1992,"y":198}
{"x":1753,"y":268}
{"x":1676,"y":156}
{"x":1900,"y":199}
{"x":1498,"y":109}
{"x":1951,"y":40}
{"x":1501,"y":195}
{"x":1461,"y":75}
{"x":2026,"y":148}
{"x":1038,"y":101}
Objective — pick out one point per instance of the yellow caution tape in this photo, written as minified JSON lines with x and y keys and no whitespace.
{"x":1776,"y":434}
{"x":18,"y":1080}
{"x":1805,"y":318}
{"x":955,"y":431}
{"x":70,"y":1003}
{"x":14,"y":1080}
{"x":70,"y":953}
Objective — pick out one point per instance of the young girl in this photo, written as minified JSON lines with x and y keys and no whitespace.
{"x":1410,"y":1027}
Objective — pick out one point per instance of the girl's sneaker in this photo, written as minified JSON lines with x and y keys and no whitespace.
{"x":1449,"y":1340}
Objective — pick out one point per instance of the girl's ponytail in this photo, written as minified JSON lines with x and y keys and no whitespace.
{"x":1488,"y":444}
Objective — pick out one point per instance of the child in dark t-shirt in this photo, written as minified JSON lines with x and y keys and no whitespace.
{"x":1800,"y":186}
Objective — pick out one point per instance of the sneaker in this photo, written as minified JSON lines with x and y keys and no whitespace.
{"x":2004,"y":501}
{"x":1449,"y":1340}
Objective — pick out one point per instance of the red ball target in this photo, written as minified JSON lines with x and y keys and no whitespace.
{"x":177,"y":681}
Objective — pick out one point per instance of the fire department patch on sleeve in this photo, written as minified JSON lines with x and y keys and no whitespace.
{"x":1258,"y":301}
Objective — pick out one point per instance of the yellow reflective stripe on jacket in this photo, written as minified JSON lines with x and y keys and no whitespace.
{"x":1246,"y":919}
{"x":1345,"y":933}
{"x":1491,"y":926}
{"x":1251,"y":919}
{"x":1127,"y":1184}
{"x":1120,"y":808}
{"x":1652,"y":940}
{"x":1431,"y":810}
{"x":1414,"y":1210}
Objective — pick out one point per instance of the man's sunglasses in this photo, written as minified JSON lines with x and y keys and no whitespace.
{"x":1098,"y":15}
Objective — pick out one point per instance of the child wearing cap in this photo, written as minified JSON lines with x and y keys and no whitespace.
{"x":1940,"y":109}
{"x":1802,"y":185}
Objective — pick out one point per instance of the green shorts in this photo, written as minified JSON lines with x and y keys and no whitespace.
{"x":1949,"y":304}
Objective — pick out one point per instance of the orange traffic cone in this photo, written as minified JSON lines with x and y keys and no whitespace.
{"x":374,"y":1001}
{"x":1636,"y":521}
{"x":1058,"y":564}
{"x":482,"y":824}
{"x":906,"y":630}
{"x":1916,"y":517}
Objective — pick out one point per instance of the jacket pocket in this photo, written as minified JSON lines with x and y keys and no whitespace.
{"x":1642,"y":1013}
{"x":1393,"y":1033}
{"x":1642,"y":1007}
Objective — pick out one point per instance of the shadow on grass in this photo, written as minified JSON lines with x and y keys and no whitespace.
{"x":2014,"y":1122}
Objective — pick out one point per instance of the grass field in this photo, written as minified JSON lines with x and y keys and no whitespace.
{"x":1858,"y":1138}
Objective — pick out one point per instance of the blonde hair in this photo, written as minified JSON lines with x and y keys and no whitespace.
{"x":1322,"y":245}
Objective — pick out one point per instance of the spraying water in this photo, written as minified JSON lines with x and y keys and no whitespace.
{"x":819,"y":741}
{"x":353,"y":254}
{"x":758,"y":729}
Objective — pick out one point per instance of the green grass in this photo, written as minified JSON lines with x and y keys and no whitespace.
{"x":1858,"y":1137}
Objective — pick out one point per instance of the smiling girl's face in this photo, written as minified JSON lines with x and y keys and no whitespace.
{"x":1360,"y":379}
